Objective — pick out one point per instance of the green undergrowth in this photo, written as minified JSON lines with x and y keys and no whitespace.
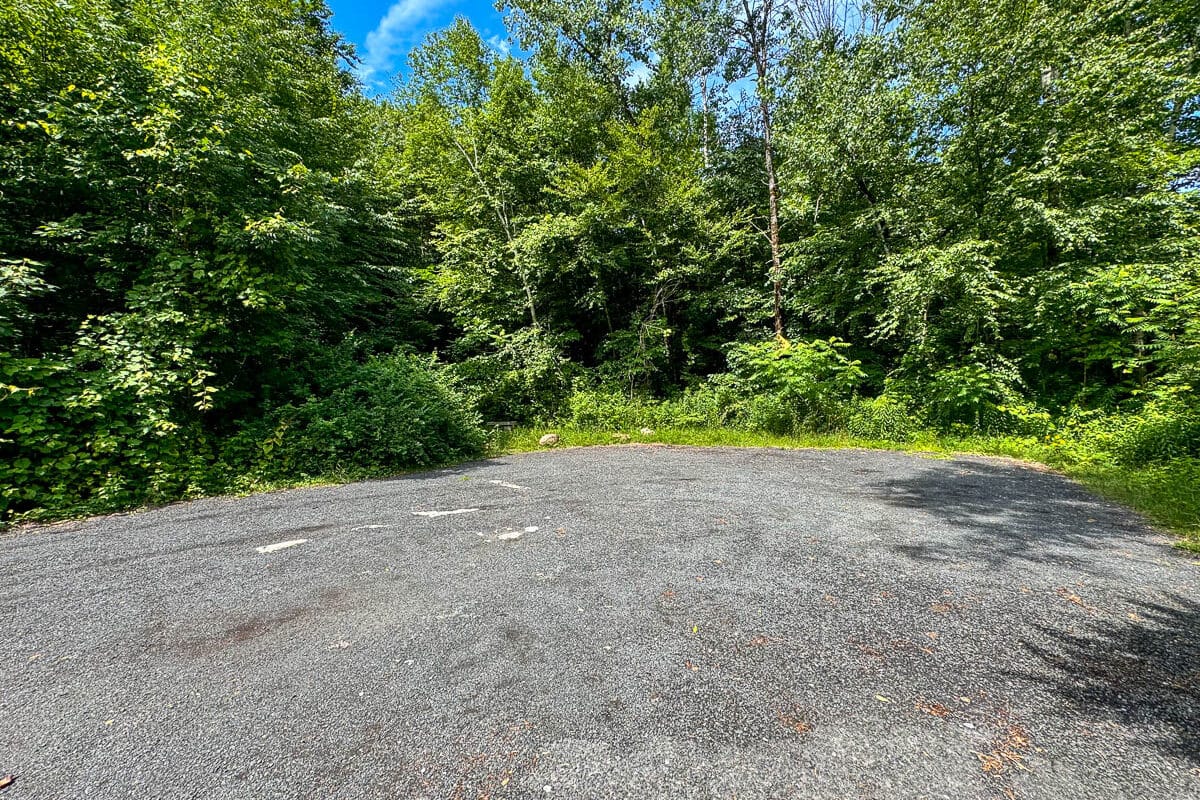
{"x":1166,"y":493}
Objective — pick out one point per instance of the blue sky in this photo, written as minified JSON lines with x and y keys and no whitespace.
{"x":384,"y":31}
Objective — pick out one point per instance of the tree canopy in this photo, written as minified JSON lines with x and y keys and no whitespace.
{"x":219,"y":258}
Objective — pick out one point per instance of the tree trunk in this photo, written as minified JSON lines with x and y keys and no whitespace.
{"x":756,"y":32}
{"x":772,"y":201}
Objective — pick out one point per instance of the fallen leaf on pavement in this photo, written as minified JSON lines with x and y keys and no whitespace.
{"x":936,"y":709}
{"x":1007,"y":752}
{"x":1071,"y":597}
{"x":794,"y":720}
{"x":761,"y":641}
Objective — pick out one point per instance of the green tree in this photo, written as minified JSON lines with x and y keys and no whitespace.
{"x":188,"y":215}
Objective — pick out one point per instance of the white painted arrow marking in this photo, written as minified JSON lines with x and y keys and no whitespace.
{"x":444,"y":513}
{"x":508,"y":485}
{"x":271,"y":548}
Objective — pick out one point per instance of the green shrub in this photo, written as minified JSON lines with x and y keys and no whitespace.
{"x":521,"y":376}
{"x":774,"y":388}
{"x":703,"y":406}
{"x":606,"y":410}
{"x":392,"y":413}
{"x":76,"y":437}
{"x":770,"y":413}
{"x":783,"y":387}
{"x":978,"y":398}
{"x":886,"y":418}
{"x":1156,"y":434}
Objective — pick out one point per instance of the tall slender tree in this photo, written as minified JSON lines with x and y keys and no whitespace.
{"x":759,"y":26}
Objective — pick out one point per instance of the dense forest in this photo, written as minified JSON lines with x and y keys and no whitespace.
{"x":223,"y":263}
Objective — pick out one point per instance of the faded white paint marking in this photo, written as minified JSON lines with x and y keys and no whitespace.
{"x":501,"y":536}
{"x":508,"y":485}
{"x":444,"y":513}
{"x":531,"y":529}
{"x":271,"y":548}
{"x":371,"y":527}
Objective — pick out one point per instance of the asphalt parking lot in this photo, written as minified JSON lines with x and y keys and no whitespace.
{"x":618,"y":622}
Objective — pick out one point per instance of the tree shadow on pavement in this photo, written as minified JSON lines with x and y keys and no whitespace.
{"x":1142,"y":671}
{"x":1003,"y":513}
{"x":1133,"y":663}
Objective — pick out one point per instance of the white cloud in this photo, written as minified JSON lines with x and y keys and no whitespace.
{"x":397,"y":32}
{"x":500,"y":44}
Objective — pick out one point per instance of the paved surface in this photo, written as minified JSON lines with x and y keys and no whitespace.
{"x":681,"y":624}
